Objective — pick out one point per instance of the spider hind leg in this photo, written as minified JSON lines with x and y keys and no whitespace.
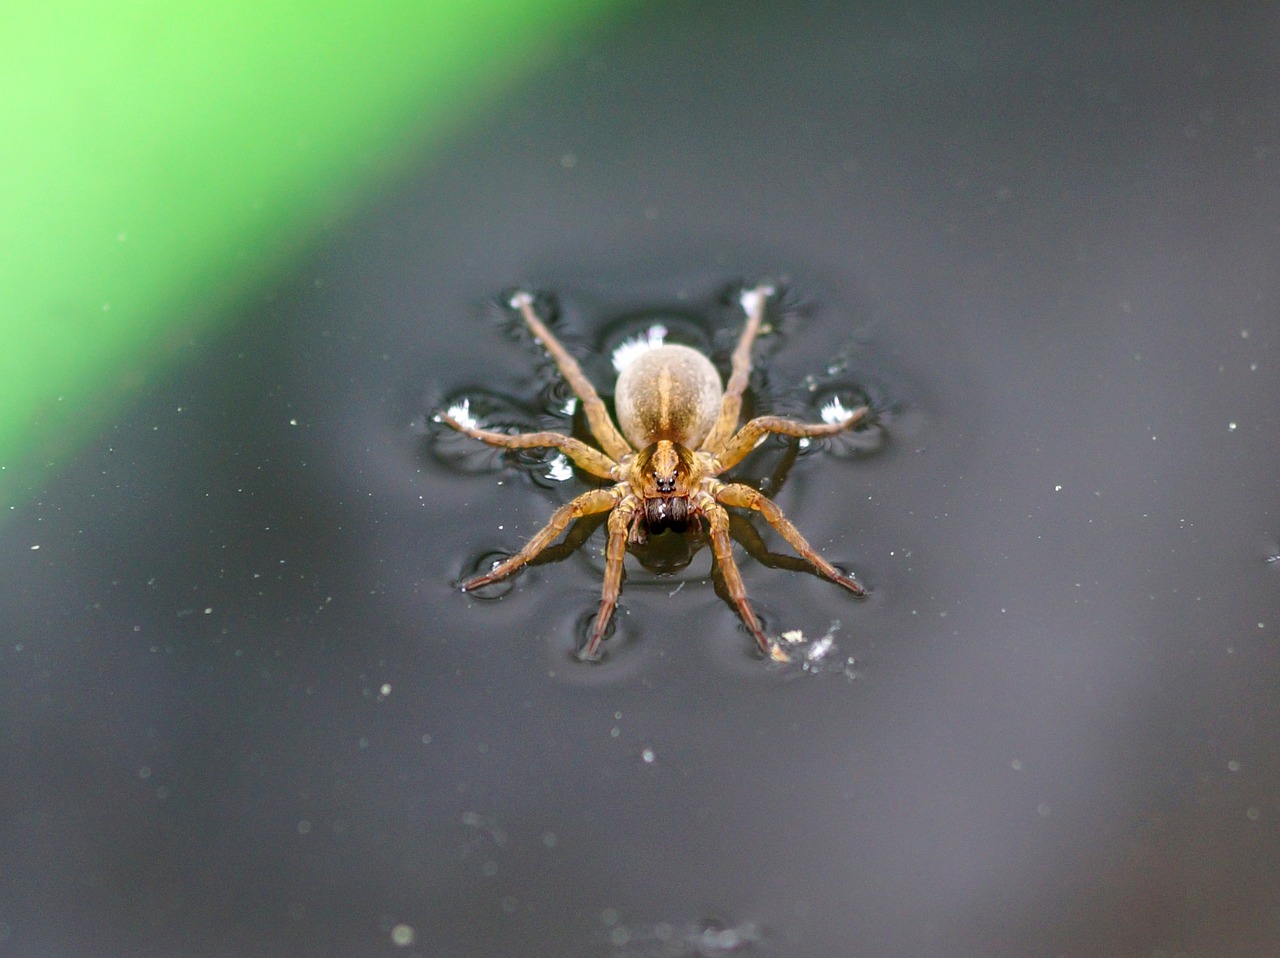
{"x":737,"y":494}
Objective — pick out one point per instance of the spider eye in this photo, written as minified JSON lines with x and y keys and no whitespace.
{"x":666,"y":483}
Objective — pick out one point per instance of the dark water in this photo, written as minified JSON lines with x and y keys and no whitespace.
{"x":247,"y":714}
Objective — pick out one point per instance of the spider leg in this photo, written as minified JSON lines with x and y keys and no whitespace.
{"x":753,"y":303}
{"x":722,"y":546}
{"x":736,"y":494}
{"x":746,"y":438}
{"x":591,"y":460}
{"x":589,"y":503}
{"x":602,"y":426}
{"x":619,"y":527}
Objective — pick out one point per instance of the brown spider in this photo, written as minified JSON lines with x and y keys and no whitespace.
{"x":677,"y":431}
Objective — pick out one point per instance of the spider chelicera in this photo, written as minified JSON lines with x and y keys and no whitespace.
{"x":677,"y":432}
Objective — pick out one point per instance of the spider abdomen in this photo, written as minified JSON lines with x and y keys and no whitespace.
{"x":670,"y":392}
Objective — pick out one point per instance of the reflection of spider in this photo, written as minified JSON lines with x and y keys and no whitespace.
{"x":679,"y":431}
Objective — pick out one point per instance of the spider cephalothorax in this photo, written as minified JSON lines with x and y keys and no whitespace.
{"x":677,"y":433}
{"x":662,"y":475}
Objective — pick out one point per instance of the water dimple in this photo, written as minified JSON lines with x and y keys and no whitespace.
{"x":483,"y":564}
{"x":623,"y":338}
{"x":584,"y":628}
{"x":478,"y":408}
{"x":832,"y":403}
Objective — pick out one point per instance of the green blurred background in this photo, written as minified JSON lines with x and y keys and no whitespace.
{"x":159,"y":161}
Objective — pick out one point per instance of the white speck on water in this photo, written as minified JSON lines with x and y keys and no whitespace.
{"x":648,"y":756}
{"x":819,"y":649}
{"x":402,"y":936}
{"x":1231,"y":427}
{"x":1233,"y":766}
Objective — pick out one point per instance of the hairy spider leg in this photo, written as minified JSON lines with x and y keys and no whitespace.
{"x":602,"y":426}
{"x":750,"y":434}
{"x":591,"y":460}
{"x":753,"y":302}
{"x":590,"y":502}
{"x":736,"y":494}
{"x":615,"y":551}
{"x":722,"y":546}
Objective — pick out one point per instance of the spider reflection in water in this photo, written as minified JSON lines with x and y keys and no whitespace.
{"x":677,"y":433}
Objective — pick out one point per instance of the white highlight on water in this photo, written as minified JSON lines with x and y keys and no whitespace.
{"x":629,"y":350}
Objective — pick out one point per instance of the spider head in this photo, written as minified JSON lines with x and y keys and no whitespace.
{"x":664,"y":470}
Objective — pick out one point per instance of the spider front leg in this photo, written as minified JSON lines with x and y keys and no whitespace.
{"x":615,"y":551}
{"x":753,"y":303}
{"x":591,"y":460}
{"x":736,"y":494}
{"x":589,"y":503}
{"x":722,"y":546}
{"x":749,"y":435}
{"x":602,"y":426}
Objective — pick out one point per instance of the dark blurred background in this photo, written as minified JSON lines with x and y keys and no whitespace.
{"x":247,"y":714}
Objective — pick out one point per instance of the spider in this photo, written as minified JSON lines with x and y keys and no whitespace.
{"x":677,"y":432}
